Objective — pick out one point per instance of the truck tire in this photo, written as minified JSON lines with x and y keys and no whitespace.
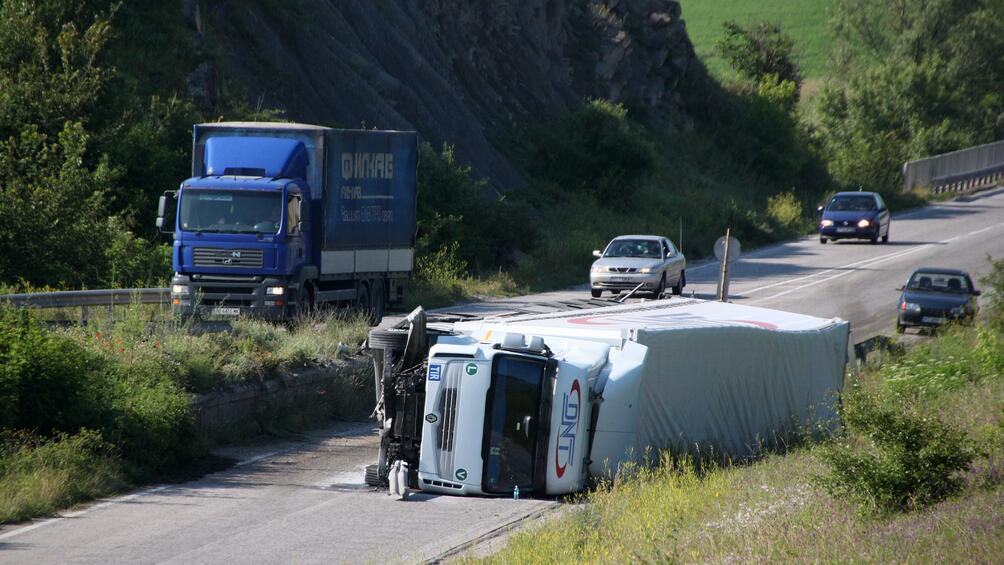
{"x":362,"y":303}
{"x":305,"y":300}
{"x":377,"y":302}
{"x":388,"y":339}
{"x":372,"y":476}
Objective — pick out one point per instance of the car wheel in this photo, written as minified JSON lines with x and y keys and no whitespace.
{"x":875,"y":239}
{"x":659,"y":290}
{"x":596,"y":292}
{"x":822,"y":240}
{"x":885,"y":238}
{"x":680,"y":283}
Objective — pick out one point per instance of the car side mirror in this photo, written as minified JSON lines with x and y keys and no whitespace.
{"x":977,"y":292}
{"x":596,"y":253}
{"x":901,"y":288}
{"x":819,"y":208}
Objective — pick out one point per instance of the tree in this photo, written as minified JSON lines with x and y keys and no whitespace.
{"x":759,"y":52}
{"x":916,"y":78}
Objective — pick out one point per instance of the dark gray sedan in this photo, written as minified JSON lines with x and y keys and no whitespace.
{"x":934,"y":296}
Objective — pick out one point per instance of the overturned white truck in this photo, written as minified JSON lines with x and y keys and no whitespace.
{"x":539,"y":403}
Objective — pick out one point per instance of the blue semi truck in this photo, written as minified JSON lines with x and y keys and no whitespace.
{"x":279,"y":218}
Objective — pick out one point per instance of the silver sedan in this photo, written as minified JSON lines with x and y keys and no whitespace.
{"x":629,"y":260}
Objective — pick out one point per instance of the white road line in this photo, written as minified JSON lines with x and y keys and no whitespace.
{"x":78,"y":513}
{"x":876,"y":261}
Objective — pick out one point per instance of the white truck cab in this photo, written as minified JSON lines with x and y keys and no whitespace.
{"x":540,"y":403}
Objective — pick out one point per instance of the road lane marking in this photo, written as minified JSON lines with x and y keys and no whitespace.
{"x":876,"y":261}
{"x":81,"y":512}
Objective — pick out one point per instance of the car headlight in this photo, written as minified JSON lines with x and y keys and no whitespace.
{"x":958,"y":310}
{"x":645,"y":270}
{"x":825,"y":223}
{"x":275,"y":290}
{"x":864,"y":223}
{"x":179,"y":289}
{"x":911,"y":307}
{"x":599,"y":269}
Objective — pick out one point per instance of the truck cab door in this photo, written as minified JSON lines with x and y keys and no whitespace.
{"x":296,"y":241}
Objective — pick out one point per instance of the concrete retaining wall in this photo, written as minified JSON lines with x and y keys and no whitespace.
{"x":346,"y":386}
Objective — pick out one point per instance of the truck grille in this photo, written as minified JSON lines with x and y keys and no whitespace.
{"x":448,"y":397}
{"x":216,"y":257}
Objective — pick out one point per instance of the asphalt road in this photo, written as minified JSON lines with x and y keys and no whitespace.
{"x":304,"y":501}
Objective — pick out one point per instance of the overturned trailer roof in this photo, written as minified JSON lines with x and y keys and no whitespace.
{"x":684,"y":373}
{"x":616,"y":323}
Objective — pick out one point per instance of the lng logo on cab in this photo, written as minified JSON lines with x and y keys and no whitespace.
{"x":565,"y":452}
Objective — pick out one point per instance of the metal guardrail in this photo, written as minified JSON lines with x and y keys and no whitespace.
{"x":959,"y":171}
{"x":101,"y":297}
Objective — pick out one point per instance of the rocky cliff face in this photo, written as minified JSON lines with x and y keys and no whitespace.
{"x":459,"y":71}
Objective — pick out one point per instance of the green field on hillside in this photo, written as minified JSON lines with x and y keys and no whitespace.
{"x":806,"y":21}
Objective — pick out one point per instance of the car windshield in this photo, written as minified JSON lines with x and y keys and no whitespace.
{"x":230,"y":211}
{"x":647,"y":248}
{"x":939,"y":282}
{"x":851,"y":204}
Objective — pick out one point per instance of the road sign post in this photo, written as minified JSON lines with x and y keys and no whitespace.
{"x":727,"y":250}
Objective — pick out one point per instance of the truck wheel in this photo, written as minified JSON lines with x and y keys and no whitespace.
{"x":596,"y":292}
{"x":387,"y":339}
{"x":372,"y":476}
{"x":680,"y":283}
{"x":376,"y":302}
{"x":362,"y":304}
{"x":305,"y":300}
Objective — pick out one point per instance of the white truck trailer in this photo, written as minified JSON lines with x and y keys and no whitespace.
{"x":542,"y":402}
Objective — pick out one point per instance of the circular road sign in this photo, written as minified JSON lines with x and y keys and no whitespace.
{"x":734,"y":248}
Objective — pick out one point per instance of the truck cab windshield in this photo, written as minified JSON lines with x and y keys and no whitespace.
{"x":230,"y":211}
{"x":511,"y":424}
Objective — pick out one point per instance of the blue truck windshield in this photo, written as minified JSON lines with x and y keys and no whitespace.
{"x":230,"y":211}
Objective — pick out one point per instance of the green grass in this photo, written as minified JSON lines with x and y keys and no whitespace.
{"x":41,"y":477}
{"x":806,"y":21}
{"x":778,"y":509}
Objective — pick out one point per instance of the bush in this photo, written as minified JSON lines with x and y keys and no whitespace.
{"x":51,"y":384}
{"x":892,"y":459}
{"x":785,"y":211}
{"x":594,"y":151}
{"x":454,"y":207}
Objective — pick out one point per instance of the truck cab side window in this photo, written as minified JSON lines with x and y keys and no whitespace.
{"x":293,"y":214}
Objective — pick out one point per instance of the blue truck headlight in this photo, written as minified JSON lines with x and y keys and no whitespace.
{"x":275,"y":290}
{"x":179,"y":289}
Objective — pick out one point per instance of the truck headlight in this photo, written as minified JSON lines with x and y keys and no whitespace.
{"x":645,"y":270}
{"x":911,"y":307}
{"x":825,"y":223}
{"x":179,"y":289}
{"x":864,"y":223}
{"x":275,"y":290}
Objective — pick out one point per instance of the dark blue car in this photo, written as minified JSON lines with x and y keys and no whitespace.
{"x":933,"y":297}
{"x":854,"y":215}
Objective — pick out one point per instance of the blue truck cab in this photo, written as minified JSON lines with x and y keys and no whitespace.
{"x":280,"y":218}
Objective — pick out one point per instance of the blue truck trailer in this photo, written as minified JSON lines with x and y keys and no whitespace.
{"x":279,"y":218}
